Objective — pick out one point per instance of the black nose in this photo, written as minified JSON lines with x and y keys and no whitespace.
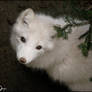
{"x":22,"y":60}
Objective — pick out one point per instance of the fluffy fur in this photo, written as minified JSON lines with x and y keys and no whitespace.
{"x":62,"y":59}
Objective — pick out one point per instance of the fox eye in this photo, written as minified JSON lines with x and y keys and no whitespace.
{"x":23,"y":39}
{"x":39,"y":47}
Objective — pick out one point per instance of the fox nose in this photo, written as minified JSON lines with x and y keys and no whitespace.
{"x":22,"y":60}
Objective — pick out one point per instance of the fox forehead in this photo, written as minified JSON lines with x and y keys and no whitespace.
{"x":35,"y":28}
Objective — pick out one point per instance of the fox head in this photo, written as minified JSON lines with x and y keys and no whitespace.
{"x":32,"y":36}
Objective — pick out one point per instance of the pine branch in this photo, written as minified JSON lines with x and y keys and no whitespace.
{"x":64,"y":31}
{"x":61,"y":32}
{"x":83,"y":35}
{"x":87,"y":44}
{"x":80,"y":13}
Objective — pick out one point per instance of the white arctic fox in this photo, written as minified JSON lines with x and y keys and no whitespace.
{"x":33,"y":39}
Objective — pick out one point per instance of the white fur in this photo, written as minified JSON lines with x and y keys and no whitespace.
{"x":62,"y":59}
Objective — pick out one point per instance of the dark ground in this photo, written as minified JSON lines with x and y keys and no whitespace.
{"x":14,"y":76}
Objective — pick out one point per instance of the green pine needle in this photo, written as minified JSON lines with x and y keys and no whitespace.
{"x":84,"y":50}
{"x":61,"y":32}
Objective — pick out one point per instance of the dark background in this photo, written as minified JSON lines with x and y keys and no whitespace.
{"x":14,"y":76}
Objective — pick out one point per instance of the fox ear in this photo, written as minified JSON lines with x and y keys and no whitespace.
{"x":27,"y":16}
